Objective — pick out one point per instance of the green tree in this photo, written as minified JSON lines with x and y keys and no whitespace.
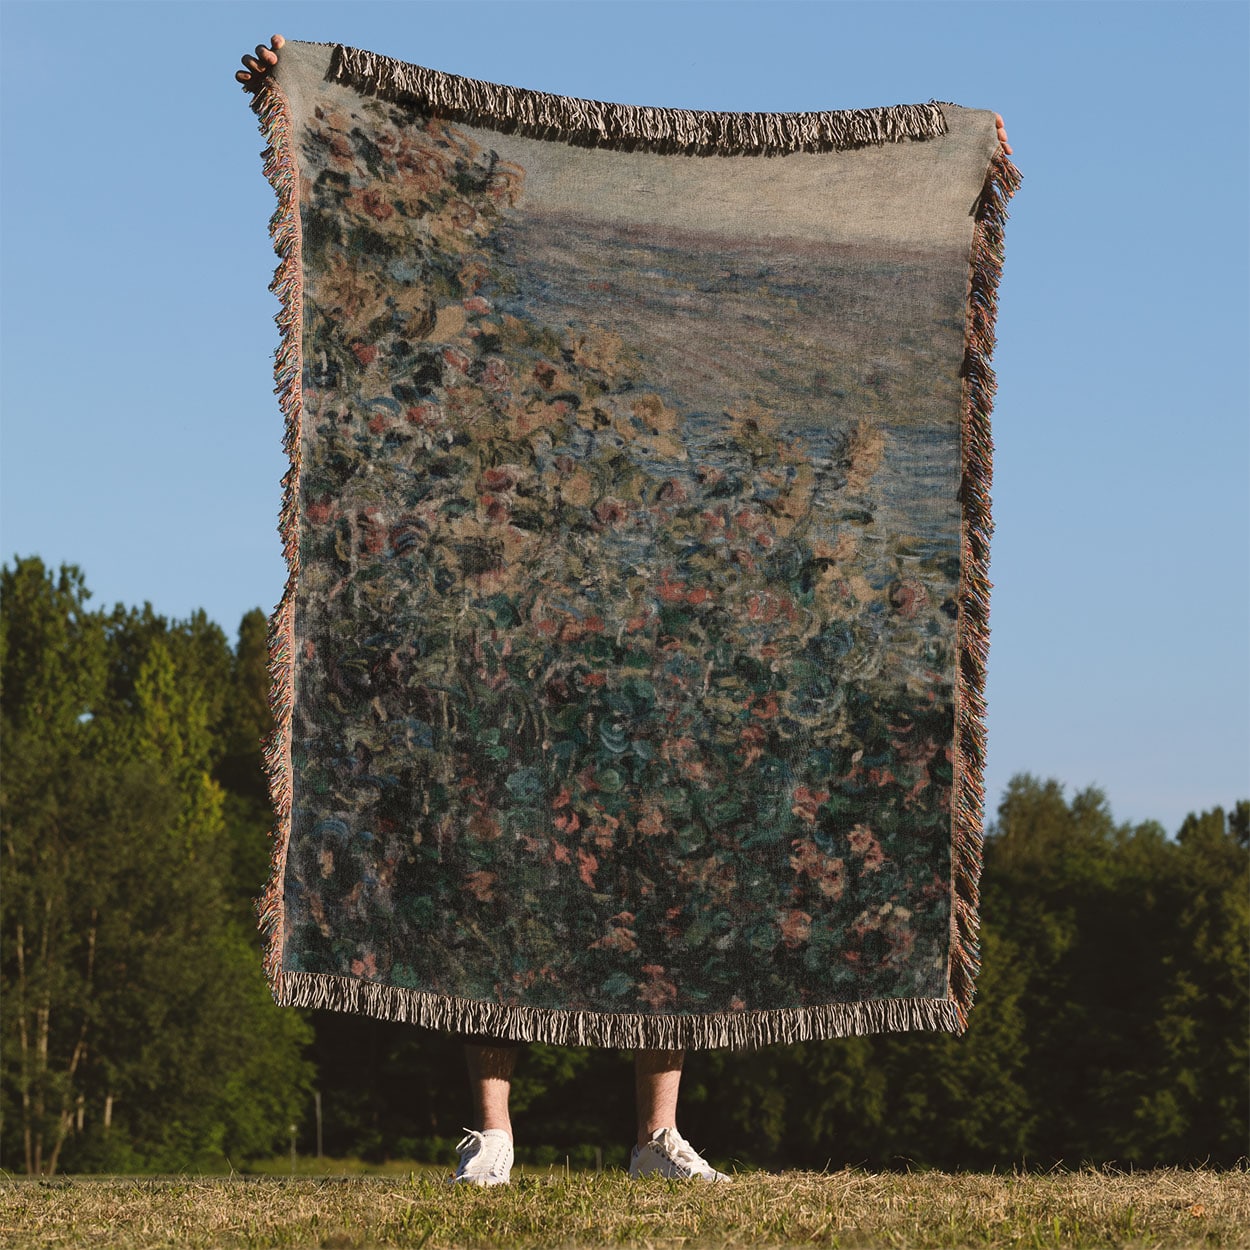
{"x":53,"y":670}
{"x":881,"y":1101}
{"x":1198,"y":1108}
{"x":963,"y":1101}
{"x":246,"y":723}
{"x":140,"y":1031}
{"x":1133,"y":949}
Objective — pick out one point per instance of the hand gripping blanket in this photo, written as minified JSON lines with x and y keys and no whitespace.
{"x":628,"y":675}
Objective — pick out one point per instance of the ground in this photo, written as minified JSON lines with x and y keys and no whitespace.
{"x":1164,"y":1208}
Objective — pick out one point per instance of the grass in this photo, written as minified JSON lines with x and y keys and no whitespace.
{"x":852,"y":1208}
{"x":309,"y":1166}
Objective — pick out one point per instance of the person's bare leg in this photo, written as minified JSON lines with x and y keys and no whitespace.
{"x":490,"y":1078}
{"x":657,"y":1078}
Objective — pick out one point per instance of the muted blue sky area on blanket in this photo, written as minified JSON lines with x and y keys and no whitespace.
{"x":142,"y":441}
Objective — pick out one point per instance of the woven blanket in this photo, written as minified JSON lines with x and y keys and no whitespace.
{"x":628,"y":675}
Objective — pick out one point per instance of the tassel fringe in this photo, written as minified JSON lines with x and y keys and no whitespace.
{"x":592,"y":123}
{"x":973,"y":636}
{"x":733,"y":1030}
{"x":274,"y":113}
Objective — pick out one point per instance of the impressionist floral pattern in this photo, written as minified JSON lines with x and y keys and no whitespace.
{"x":599,"y":708}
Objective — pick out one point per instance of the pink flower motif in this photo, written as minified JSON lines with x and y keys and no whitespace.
{"x":427,"y":416}
{"x":609,"y":511}
{"x":587,"y":864}
{"x":503,"y":478}
{"x":372,"y":203}
{"x":765,"y":706}
{"x":907,"y":598}
{"x":651,"y":821}
{"x":428,"y":170}
{"x":496,"y":376}
{"x":481,"y":886}
{"x":367,"y":967}
{"x":341,"y":150}
{"x":826,"y":871}
{"x":751,"y":740}
{"x":496,"y":509}
{"x":658,"y":992}
{"x":806,"y":803}
{"x":795,"y":926}
{"x":373,"y":530}
{"x":670,"y":591}
{"x":620,"y":937}
{"x":602,"y":832}
{"x":484,"y":827}
{"x":863,"y":843}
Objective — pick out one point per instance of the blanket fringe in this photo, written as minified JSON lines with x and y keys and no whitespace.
{"x":732,"y":1030}
{"x":986,"y":263}
{"x":274,"y":114}
{"x":593,"y":123}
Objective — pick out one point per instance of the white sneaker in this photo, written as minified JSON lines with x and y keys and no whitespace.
{"x":668,"y":1153}
{"x":485,"y":1158}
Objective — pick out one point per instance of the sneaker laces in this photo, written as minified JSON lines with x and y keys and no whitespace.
{"x":497,"y":1145}
{"x":681,"y":1151}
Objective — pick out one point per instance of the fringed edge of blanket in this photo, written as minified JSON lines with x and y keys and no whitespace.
{"x":593,"y":123}
{"x":985,"y":269}
{"x":274,"y":115}
{"x":732,"y":1030}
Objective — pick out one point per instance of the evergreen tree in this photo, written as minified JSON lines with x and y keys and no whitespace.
{"x":1198,"y":1108}
{"x":1133,"y":950}
{"x":139,"y":1030}
{"x":52,"y":674}
{"x":246,"y":722}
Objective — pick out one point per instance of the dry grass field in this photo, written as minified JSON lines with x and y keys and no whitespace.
{"x":1165,"y":1208}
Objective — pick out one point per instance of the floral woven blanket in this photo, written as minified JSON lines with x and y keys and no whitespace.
{"x":628,"y":675}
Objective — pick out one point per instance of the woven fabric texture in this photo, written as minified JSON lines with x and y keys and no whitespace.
{"x":628,"y":675}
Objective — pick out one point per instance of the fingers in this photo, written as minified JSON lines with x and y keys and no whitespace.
{"x":258,"y":65}
{"x":1002,"y":134}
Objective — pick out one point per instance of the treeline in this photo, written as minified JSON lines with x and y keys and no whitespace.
{"x":1111,"y":1022}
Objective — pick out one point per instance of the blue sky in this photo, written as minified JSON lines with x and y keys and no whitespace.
{"x":141,"y":439}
